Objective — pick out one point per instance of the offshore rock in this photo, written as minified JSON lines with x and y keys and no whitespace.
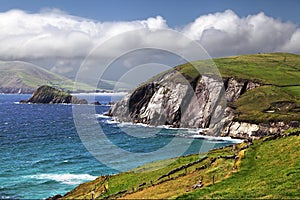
{"x":49,"y":95}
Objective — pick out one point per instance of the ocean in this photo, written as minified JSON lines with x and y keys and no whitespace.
{"x":42,"y":153}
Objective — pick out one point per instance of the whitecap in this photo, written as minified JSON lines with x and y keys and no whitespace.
{"x":102,"y":116}
{"x":69,"y":179}
{"x":224,"y":139}
{"x":111,"y":122}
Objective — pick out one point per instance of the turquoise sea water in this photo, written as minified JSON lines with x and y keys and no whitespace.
{"x":42,"y":154}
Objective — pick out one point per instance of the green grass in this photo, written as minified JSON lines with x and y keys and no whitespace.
{"x":293,"y":90}
{"x":253,"y":105}
{"x":275,"y":68}
{"x":280,"y":69}
{"x":268,"y":169}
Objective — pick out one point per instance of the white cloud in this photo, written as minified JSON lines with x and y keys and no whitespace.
{"x":292,"y":45}
{"x":56,"y":34}
{"x":226,"y":33}
{"x":53,"y":34}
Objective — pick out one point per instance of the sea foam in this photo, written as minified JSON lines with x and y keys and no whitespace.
{"x":69,"y":179}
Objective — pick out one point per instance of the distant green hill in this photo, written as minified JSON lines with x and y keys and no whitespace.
{"x":16,"y":76}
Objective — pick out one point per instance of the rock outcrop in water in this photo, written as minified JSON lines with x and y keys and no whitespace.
{"x":48,"y":95}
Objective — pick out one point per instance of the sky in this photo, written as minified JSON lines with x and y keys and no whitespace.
{"x":176,"y":12}
{"x":59,"y":35}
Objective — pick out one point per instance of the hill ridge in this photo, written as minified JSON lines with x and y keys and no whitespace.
{"x":24,"y":77}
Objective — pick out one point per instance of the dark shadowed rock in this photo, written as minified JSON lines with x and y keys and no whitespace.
{"x":56,"y":197}
{"x":96,"y":103}
{"x":75,"y":100}
{"x":50,"y":95}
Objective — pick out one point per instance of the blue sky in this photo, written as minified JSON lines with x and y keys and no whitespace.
{"x":177,"y":13}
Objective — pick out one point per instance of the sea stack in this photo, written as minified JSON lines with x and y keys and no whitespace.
{"x":49,"y":95}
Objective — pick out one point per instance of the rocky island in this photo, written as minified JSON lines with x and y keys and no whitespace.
{"x":49,"y":95}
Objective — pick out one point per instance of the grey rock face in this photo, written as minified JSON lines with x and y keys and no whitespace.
{"x":236,"y":87}
{"x":179,"y":103}
{"x":254,"y":131}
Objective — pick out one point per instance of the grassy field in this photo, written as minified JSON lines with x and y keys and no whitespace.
{"x":267,"y":104}
{"x":267,"y":169}
{"x":279,"y":69}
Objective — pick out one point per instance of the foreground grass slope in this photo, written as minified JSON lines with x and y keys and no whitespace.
{"x":267,"y":169}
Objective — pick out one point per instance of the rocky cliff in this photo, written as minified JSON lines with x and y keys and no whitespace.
{"x":203,"y":103}
{"x":255,"y":97}
{"x":48,"y":95}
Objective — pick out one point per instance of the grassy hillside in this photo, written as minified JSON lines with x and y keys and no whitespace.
{"x":15,"y":74}
{"x":267,"y":104}
{"x":267,"y":169}
{"x":279,"y":69}
{"x":277,"y":100}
